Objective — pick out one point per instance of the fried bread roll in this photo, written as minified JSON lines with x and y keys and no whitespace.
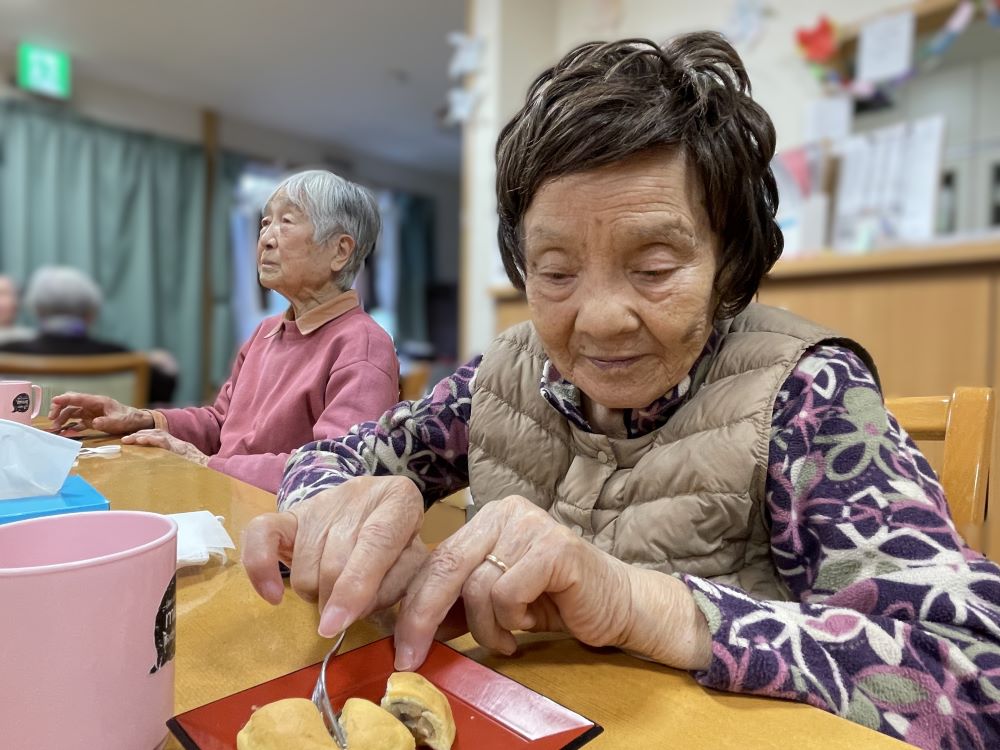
{"x":369,"y":727}
{"x":289,"y":724}
{"x":422,"y":708}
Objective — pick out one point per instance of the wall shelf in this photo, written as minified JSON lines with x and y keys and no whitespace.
{"x":829,"y":263}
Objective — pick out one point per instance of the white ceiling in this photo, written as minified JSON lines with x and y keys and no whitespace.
{"x":368,"y":75}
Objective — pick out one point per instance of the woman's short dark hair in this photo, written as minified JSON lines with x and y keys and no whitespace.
{"x":607,"y":101}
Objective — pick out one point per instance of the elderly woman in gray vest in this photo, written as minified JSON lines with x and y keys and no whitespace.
{"x":655,"y":463}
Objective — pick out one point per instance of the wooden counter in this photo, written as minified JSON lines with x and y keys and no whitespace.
{"x":928,"y":316}
{"x":984,"y":253}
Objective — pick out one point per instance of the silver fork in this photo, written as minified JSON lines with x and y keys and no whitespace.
{"x":322,"y":701}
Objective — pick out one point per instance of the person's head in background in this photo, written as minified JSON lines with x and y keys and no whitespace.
{"x":8,"y":301}
{"x":63,"y":299}
{"x":316,"y":231}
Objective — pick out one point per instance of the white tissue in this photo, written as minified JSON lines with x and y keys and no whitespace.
{"x":200,"y":536}
{"x":33,"y":462}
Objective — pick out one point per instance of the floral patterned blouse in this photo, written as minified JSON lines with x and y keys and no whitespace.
{"x":896,"y":623}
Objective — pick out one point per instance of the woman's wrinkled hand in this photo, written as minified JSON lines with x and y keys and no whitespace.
{"x":353,"y":548}
{"x":547,"y":580}
{"x":98,"y":412}
{"x":163,"y":439}
{"x":553,"y":581}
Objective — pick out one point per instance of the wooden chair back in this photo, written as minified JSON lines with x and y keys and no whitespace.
{"x":124,"y":377}
{"x":965,"y":422}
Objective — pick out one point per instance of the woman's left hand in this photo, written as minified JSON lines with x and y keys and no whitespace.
{"x":163,"y":439}
{"x":550,"y":580}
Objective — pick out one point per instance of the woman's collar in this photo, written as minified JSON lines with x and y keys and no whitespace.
{"x":317,"y":317}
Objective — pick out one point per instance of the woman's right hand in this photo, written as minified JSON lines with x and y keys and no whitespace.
{"x":352,"y":548}
{"x":99,"y":412}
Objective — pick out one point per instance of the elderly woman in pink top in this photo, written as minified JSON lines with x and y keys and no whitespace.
{"x":305,"y":375}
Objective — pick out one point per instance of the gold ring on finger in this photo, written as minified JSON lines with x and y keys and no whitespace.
{"x":498,"y":562}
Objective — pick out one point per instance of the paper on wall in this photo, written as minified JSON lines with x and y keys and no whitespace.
{"x":461,"y":104}
{"x":467,"y":55}
{"x":885,"y":47}
{"x":800,"y":174}
{"x":745,"y":24}
{"x":919,"y":187}
{"x":888,"y":185}
{"x":828,"y":118}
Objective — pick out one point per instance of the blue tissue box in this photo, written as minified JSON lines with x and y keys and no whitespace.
{"x":74,"y":496}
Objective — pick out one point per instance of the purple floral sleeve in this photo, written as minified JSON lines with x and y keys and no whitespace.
{"x":425,"y":440}
{"x":897,"y":623}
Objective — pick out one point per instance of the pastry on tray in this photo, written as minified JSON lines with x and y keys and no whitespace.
{"x":369,"y":727}
{"x":413,"y":712}
{"x":289,"y":724}
{"x":423,"y":708}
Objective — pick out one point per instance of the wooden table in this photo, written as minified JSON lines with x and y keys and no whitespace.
{"x":229,"y":639}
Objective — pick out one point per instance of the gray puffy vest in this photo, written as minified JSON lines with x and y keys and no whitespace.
{"x":686,"y":498}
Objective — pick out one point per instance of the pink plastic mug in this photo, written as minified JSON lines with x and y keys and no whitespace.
{"x":87,"y":631}
{"x":16,"y":402}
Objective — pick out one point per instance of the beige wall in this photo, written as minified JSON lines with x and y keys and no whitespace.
{"x":519,"y":42}
{"x":523,"y":37}
{"x":781,"y":81}
{"x":136,"y":110}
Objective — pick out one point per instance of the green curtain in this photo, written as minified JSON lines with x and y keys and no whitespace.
{"x":229,"y":166}
{"x":126,"y":207}
{"x":416,"y":261}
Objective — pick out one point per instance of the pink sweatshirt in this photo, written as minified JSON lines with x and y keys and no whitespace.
{"x":292,"y":384}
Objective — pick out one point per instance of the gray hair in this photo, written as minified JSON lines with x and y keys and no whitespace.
{"x":336,"y":206}
{"x":62,"y":290}
{"x":606,"y":102}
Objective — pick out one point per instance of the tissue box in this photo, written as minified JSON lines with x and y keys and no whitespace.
{"x":74,"y":496}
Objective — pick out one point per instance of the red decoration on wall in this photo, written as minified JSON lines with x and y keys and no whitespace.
{"x":818,"y":44}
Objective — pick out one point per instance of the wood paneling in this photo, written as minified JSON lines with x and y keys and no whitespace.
{"x":985,"y":253}
{"x":510,"y":311}
{"x":926,"y":329}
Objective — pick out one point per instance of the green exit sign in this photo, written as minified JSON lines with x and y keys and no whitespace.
{"x":43,"y":71}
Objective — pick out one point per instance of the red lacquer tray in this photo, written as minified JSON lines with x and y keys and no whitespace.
{"x":492,"y":712}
